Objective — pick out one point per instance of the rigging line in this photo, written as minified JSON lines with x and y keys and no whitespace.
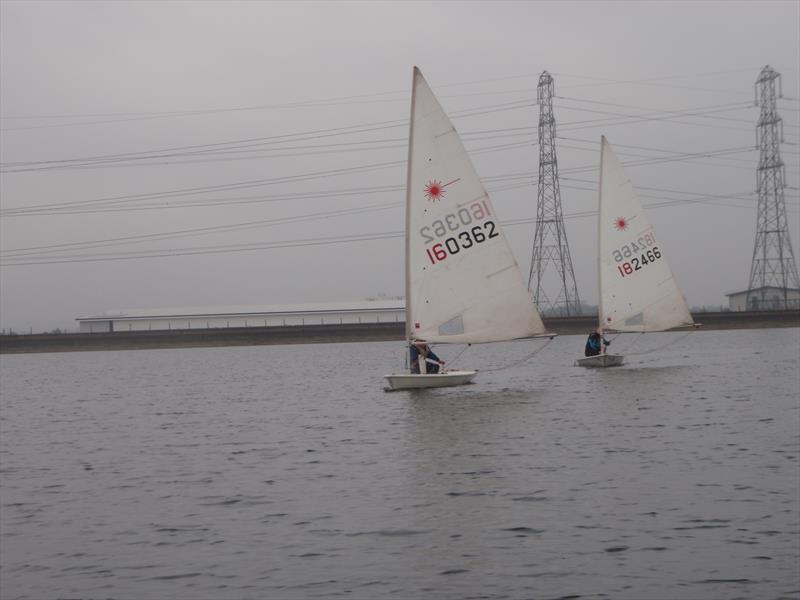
{"x":453,"y":360}
{"x":668,"y":344}
{"x":522,"y":360}
{"x":633,"y":343}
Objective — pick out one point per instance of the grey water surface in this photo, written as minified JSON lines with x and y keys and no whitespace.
{"x":287,"y":472}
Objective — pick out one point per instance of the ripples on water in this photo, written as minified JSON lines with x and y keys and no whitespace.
{"x":286,"y":472}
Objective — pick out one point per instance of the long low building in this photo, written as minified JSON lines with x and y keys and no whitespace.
{"x":765,"y":298}
{"x":368,"y":311}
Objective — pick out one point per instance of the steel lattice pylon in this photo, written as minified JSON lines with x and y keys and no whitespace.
{"x":773,"y":260}
{"x":550,"y":240}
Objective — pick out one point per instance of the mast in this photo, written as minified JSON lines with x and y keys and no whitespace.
{"x":408,"y":206}
{"x":599,"y":244}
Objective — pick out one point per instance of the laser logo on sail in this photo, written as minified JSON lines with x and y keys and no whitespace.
{"x":434,"y":190}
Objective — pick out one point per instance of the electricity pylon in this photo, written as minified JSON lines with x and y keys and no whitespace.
{"x":773,"y":263}
{"x":550,"y":239}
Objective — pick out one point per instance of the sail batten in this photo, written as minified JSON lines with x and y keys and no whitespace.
{"x":463,"y":284}
{"x":638,"y":291}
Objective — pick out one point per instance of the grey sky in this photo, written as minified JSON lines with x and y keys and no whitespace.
{"x":148,"y":78}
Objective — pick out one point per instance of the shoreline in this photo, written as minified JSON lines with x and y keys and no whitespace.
{"x":316,"y":334}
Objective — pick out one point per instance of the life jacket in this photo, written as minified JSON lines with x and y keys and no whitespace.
{"x":592,"y":346}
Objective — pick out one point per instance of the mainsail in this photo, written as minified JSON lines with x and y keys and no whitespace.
{"x":637,"y":289}
{"x":463,"y":284}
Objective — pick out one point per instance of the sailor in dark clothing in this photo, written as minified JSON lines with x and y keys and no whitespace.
{"x":420,"y":351}
{"x":595,"y":343}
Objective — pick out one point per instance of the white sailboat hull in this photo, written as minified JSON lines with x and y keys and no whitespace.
{"x":410,"y":381}
{"x":600,"y":361}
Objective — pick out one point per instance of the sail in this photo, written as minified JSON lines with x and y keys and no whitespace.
{"x":637,"y":289}
{"x":463,"y":284}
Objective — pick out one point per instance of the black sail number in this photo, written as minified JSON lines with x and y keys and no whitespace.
{"x":463,"y":241}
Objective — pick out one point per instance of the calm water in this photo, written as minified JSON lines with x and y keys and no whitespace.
{"x":287,"y":472}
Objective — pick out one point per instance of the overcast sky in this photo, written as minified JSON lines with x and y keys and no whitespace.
{"x":220,"y":154}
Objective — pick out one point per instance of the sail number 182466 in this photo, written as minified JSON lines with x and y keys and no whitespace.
{"x":637,"y":263}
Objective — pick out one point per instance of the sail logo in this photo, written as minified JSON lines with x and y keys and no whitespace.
{"x":621,"y":223}
{"x":434,"y":190}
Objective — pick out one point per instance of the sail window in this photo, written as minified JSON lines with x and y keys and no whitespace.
{"x":454,"y":326}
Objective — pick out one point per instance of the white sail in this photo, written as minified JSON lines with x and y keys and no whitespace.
{"x":637,"y":289}
{"x":463,"y":284}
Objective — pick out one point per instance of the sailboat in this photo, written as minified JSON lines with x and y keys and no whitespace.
{"x":638,"y":292}
{"x":463,"y":285}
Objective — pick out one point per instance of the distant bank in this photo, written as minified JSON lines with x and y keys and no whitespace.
{"x":315,"y":334}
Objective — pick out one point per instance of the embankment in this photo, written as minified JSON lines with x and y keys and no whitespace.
{"x":313,"y":334}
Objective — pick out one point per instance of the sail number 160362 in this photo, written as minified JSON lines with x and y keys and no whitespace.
{"x":462,"y":241}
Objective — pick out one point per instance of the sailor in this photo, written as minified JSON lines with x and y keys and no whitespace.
{"x":595,"y":344}
{"x":421,"y":351}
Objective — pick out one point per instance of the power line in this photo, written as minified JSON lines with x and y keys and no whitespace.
{"x":218,"y":147}
{"x":121,"y":203}
{"x":337,"y":100}
{"x":208,"y":189}
{"x":735,"y":106}
{"x":199,"y":231}
{"x":41,"y":258}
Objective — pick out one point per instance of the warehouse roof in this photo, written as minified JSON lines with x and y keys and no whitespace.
{"x":274,"y":309}
{"x":769,"y":287}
